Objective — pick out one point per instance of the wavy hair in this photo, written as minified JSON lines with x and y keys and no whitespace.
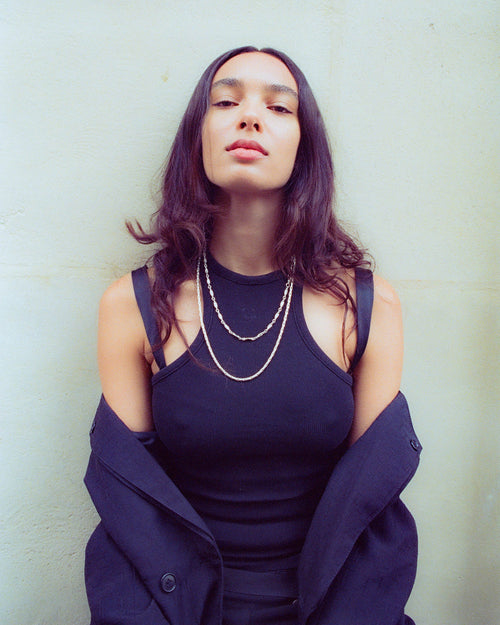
{"x":308,"y":230}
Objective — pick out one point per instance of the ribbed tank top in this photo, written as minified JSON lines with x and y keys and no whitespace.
{"x":253,"y":458}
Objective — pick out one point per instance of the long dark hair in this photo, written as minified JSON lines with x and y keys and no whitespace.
{"x":308,"y":229}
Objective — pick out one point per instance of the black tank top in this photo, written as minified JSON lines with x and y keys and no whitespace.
{"x":253,"y":458}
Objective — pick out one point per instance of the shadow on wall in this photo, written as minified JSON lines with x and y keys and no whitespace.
{"x":482,"y":578}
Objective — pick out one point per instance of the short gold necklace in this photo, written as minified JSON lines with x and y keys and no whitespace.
{"x":288,"y":286}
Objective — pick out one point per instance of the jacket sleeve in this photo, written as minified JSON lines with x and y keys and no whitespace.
{"x":115,"y":592}
{"x":375,"y":581}
{"x":150,"y":549}
{"x":358,"y":563}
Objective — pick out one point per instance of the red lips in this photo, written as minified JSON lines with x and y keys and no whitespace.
{"x":247,"y":145}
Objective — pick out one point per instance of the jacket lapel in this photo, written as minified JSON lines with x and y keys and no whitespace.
{"x":123,"y":454}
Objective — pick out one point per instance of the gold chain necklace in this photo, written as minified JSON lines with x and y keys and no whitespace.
{"x":288,"y":286}
{"x":209,"y":346}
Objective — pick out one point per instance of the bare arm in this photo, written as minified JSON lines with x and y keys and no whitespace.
{"x":124,"y":370}
{"x":378,"y":375}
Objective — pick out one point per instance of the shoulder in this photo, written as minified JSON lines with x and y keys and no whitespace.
{"x":386,"y":314}
{"x":123,"y":355}
{"x":119,"y":293}
{"x":384,"y":292}
{"x":118,"y":309}
{"x":378,"y":374}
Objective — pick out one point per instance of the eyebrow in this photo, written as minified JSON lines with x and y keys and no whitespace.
{"x":275,"y":87}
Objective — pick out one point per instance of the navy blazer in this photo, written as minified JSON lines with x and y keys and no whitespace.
{"x":153,"y":561}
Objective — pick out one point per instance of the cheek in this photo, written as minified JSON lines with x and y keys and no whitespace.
{"x":291,"y":154}
{"x":211,"y":145}
{"x":206,"y":150}
{"x":293,"y":144}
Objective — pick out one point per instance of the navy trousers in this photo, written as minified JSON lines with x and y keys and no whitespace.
{"x":260,"y":598}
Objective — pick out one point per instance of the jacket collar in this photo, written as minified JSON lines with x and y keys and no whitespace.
{"x":366,"y":479}
{"x":115,"y":445}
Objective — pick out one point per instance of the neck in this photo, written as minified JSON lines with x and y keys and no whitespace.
{"x":243,"y":236}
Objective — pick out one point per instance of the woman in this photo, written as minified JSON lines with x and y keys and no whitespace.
{"x":245,"y":360}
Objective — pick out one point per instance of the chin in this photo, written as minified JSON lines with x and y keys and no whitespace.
{"x":248,"y":185}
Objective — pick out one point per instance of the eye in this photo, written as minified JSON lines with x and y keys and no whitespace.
{"x":278,"y":108}
{"x":225,"y":103}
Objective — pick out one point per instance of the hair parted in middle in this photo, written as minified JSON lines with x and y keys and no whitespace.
{"x":308,"y":229}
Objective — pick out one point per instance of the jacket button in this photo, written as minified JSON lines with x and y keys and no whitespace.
{"x":168,"y":582}
{"x":295,"y":602}
{"x":415,"y":444}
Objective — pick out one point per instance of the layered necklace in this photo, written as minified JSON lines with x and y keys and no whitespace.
{"x":285,"y":302}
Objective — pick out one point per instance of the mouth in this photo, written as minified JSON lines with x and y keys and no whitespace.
{"x":251,"y":146}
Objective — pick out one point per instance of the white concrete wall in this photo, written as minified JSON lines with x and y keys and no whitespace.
{"x":92,"y":95}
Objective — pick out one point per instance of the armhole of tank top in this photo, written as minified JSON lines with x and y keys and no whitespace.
{"x":364,"y":306}
{"x":142,"y":291}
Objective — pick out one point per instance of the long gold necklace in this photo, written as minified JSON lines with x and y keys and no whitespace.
{"x":288,"y":296}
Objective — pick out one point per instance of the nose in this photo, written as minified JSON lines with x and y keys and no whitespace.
{"x":249,"y":118}
{"x":250,"y":123}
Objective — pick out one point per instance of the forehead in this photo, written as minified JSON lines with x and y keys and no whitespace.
{"x":256,"y":67}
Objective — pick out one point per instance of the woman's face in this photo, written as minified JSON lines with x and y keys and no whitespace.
{"x":251,"y":131}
